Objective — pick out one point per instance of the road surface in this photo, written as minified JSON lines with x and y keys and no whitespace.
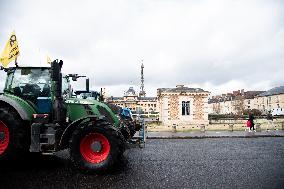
{"x":165,"y":163}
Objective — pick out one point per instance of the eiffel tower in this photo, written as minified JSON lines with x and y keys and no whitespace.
{"x":142,"y":93}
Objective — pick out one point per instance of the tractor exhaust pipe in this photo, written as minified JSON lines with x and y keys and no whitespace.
{"x":59,"y":107}
{"x":56,"y":77}
{"x":88,"y":85}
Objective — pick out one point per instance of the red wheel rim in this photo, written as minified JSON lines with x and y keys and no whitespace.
{"x":89,"y":153}
{"x":5,"y":142}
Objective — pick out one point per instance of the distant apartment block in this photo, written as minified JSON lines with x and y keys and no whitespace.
{"x":271,"y":100}
{"x":239,"y":101}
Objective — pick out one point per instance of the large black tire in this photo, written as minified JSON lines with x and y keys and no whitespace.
{"x":112,"y":147}
{"x":18,"y":139}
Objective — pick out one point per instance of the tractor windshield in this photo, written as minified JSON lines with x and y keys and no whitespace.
{"x":29,"y":82}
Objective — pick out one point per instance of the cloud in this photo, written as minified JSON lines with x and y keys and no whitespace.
{"x":199,"y":43}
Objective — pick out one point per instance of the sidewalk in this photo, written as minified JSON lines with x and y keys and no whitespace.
{"x":214,"y":134}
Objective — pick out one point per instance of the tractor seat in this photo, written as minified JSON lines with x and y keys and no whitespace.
{"x":17,"y":91}
{"x":31,"y":88}
{"x":45,"y":91}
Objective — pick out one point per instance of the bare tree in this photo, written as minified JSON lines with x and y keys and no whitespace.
{"x":238,"y":105}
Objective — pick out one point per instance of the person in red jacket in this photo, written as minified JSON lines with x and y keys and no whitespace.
{"x":248,"y":126}
{"x":251,"y":118}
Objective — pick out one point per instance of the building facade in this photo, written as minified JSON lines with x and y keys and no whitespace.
{"x":239,"y":101}
{"x":236,"y":102}
{"x":182,"y":106}
{"x":137,"y":104}
{"x":271,"y":101}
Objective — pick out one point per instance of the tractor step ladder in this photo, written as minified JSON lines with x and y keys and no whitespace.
{"x":140,"y":140}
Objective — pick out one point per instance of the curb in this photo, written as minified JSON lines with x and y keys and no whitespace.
{"x":204,"y":137}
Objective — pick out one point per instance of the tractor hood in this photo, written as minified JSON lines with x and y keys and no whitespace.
{"x":78,"y":108}
{"x":80,"y":101}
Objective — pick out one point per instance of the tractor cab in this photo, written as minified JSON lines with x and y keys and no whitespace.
{"x":28,"y":82}
{"x":32,"y":84}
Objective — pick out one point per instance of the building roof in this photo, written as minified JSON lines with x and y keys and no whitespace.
{"x":147,"y":98}
{"x":182,"y":89}
{"x":139,"y":98}
{"x":130,"y":92}
{"x":234,"y":96}
{"x":114,"y":98}
{"x":251,"y":94}
{"x":273,"y":91}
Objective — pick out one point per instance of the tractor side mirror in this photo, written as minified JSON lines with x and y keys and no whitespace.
{"x":74,"y":78}
{"x":55,"y":70}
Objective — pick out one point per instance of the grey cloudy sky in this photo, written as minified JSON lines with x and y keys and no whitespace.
{"x":220,"y":45}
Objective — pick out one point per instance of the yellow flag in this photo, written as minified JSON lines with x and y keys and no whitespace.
{"x":48,"y":60}
{"x":11,"y":50}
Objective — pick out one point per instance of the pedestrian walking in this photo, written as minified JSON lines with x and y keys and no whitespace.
{"x":269,"y":118}
{"x":251,"y":119}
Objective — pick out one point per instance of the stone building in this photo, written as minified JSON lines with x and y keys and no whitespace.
{"x":182,"y":106}
{"x":136,"y":103}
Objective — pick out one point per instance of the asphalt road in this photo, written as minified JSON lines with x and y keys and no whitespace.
{"x":165,"y":163}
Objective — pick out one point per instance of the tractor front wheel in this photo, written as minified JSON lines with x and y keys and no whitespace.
{"x":95,"y":148}
{"x":4,"y":137}
{"x":14,"y":140}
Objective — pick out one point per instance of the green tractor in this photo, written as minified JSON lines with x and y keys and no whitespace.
{"x":39,"y":114}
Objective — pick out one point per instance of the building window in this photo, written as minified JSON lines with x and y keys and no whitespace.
{"x":277,"y":99}
{"x":185,"y":108}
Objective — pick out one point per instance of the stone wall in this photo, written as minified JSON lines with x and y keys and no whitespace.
{"x":174,"y":107}
{"x":198,"y":112}
{"x":221,"y":124}
{"x":240,"y":124}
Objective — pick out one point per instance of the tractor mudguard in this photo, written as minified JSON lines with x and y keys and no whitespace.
{"x":64,"y":140}
{"x":21,"y":111}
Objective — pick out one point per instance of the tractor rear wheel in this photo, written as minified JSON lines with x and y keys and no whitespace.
{"x":95,"y":148}
{"x":13,"y":135}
